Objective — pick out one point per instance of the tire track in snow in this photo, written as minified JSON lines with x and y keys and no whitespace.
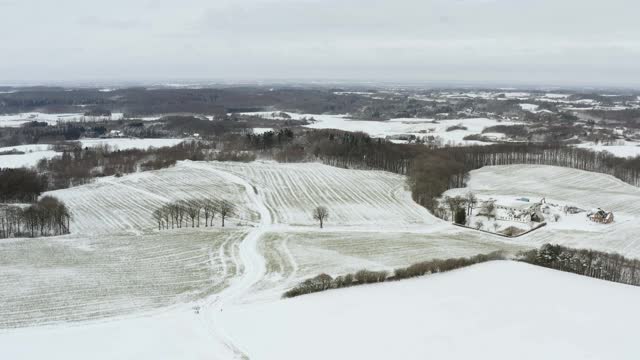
{"x":254,"y":270}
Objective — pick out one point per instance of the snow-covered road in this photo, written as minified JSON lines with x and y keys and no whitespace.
{"x":253,"y":264}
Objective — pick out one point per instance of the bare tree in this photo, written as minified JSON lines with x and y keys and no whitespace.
{"x":177,"y":214}
{"x":321,"y":214}
{"x":225,"y":209}
{"x":192,"y":208}
{"x":48,"y":216}
{"x":488,"y":209}
{"x":479,"y":224}
{"x":209,"y":207}
{"x":168,"y":215}
{"x":471,"y":201}
{"x":159,"y":216}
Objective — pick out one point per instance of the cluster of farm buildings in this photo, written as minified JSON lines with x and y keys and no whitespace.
{"x":524,"y":211}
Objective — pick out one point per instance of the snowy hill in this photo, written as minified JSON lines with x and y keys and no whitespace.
{"x":497,"y":310}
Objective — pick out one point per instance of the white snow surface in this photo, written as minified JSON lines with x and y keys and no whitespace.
{"x":497,"y":310}
{"x":259,"y":131}
{"x":117,"y":283}
{"x":400,"y":126}
{"x":174,"y":334}
{"x":15,"y":120}
{"x":128,"y":143}
{"x":32,"y":154}
{"x":529,"y":107}
{"x":627,"y":149}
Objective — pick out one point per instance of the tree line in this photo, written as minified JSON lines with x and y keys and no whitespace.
{"x":181,"y":213}
{"x":430,"y":171}
{"x":78,"y":165}
{"x":596,"y":264}
{"x":48,"y":216}
{"x":325,"y":282}
{"x":438,"y":170}
{"x":592,"y":263}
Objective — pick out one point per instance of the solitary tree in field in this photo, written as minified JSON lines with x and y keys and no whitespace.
{"x":225,"y":209}
{"x":321,"y":214}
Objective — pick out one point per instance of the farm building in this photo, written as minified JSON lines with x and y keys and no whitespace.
{"x":600,"y":216}
{"x":520,"y":211}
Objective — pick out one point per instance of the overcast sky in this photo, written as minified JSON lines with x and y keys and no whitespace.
{"x":554,"y":42}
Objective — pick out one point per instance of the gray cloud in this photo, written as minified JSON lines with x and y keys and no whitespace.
{"x":557,"y":42}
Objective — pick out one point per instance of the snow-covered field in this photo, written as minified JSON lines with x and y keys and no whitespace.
{"x":400,"y":126}
{"x":80,"y":277}
{"x":626,"y":149}
{"x":15,"y":120}
{"x":585,"y":190}
{"x":497,"y":310}
{"x":32,"y":154}
{"x":90,"y":273}
{"x":36,"y":152}
{"x":259,"y":131}
{"x":125,"y":205}
{"x":128,"y":143}
{"x":354,"y":197}
{"x":118,"y":282}
{"x":295,"y":255}
{"x":175,"y":333}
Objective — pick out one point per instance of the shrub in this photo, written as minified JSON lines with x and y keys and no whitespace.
{"x":456,"y":127}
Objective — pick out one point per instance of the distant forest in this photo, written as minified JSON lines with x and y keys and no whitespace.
{"x":219,"y":101}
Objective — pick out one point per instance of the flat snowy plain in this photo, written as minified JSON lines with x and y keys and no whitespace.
{"x":129,"y":143}
{"x":627,"y":149}
{"x":15,"y":120}
{"x":32,"y":154}
{"x":119,"y":288}
{"x":429,"y":127}
{"x":400,"y":126}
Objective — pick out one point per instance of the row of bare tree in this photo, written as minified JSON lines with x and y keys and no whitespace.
{"x":181,"y":213}
{"x":49,"y":216}
{"x":325,"y":282}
